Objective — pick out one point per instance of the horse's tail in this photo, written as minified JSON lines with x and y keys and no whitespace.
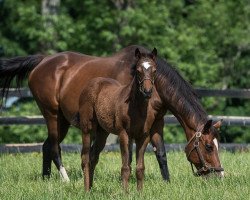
{"x":18,"y":68}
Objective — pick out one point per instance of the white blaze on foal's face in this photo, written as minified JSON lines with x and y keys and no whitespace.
{"x":146,"y":65}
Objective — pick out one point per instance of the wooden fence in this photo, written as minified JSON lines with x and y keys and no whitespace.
{"x":227,"y":120}
{"x":170,"y":119}
{"x":229,"y":93}
{"x":76,"y":148}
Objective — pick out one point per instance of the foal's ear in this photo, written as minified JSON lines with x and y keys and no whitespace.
{"x":207,"y":126}
{"x":154,"y":53}
{"x":137,"y":53}
{"x":218,"y":124}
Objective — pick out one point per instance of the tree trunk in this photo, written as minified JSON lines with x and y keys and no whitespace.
{"x":50,"y":9}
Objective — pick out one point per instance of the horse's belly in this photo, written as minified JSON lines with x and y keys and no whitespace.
{"x":105,"y":113}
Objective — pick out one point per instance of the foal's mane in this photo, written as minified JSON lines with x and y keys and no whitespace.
{"x":177,"y":90}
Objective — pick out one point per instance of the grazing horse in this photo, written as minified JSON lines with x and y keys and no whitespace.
{"x":125,"y":110}
{"x":56,"y":83}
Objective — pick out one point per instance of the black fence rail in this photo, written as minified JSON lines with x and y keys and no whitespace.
{"x":76,"y":148}
{"x":227,"y":120}
{"x":169,"y":119}
{"x":229,"y":93}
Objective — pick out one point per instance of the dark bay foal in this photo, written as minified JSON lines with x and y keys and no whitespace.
{"x":105,"y":106}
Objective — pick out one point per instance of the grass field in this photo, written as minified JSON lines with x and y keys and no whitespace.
{"x":20,"y":178}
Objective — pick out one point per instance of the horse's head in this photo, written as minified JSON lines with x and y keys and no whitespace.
{"x":145,"y":71}
{"x":202,"y":150}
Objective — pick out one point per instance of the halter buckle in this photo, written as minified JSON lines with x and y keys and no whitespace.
{"x":198,"y":134}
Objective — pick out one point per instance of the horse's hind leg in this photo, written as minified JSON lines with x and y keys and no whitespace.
{"x":46,"y":159}
{"x":62,"y":127}
{"x":96,"y":148}
{"x":57,"y":129}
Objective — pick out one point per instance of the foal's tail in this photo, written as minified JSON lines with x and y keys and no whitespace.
{"x":18,"y":68}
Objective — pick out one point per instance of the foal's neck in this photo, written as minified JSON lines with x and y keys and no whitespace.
{"x":135,"y":98}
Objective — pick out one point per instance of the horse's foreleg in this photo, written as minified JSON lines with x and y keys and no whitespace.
{"x":86,"y":141}
{"x":159,"y":148}
{"x":130,"y":153}
{"x":141,"y":145}
{"x":96,"y":148}
{"x":125,"y":170}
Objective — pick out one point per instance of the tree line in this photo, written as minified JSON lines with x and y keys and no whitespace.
{"x":207,"y":41}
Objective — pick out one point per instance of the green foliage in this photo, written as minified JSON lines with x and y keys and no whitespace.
{"x":16,"y":182}
{"x":209,"y":41}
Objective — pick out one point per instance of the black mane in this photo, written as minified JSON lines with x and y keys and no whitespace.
{"x":180,"y":94}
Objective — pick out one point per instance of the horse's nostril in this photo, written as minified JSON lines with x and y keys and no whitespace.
{"x":148,"y":93}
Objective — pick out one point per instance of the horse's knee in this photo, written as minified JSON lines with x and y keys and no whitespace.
{"x":125,"y":171}
{"x":161,"y":156}
{"x":85,"y":164}
{"x":162,"y":160}
{"x":85,"y":160}
{"x":94,"y":160}
{"x":140,"y":172}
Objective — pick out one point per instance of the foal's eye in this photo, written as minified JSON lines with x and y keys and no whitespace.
{"x":209,"y":147}
{"x":139,"y":70}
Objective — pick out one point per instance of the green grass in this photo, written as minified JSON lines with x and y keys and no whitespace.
{"x":20,"y":178}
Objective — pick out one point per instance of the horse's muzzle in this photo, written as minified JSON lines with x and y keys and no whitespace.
{"x":210,"y":172}
{"x":147,"y":93}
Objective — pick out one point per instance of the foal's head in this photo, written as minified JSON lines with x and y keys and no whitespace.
{"x":145,"y":71}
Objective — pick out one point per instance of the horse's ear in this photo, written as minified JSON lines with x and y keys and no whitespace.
{"x":137,"y":53}
{"x":207,"y":126}
{"x":218,"y":124}
{"x":154,"y":53}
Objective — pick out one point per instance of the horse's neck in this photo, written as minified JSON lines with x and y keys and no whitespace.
{"x":135,"y":98}
{"x":188,"y":111}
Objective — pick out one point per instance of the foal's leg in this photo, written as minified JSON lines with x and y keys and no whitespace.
{"x":96,"y":148}
{"x":125,"y":170}
{"x":86,"y":141}
{"x":141,"y":145}
{"x":130,"y":153}
{"x":159,"y":148}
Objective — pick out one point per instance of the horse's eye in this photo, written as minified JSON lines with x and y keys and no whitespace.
{"x":209,"y":147}
{"x":139,"y":70}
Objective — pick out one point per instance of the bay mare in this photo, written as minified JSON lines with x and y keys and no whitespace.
{"x":128,"y":111}
{"x":56,"y":82}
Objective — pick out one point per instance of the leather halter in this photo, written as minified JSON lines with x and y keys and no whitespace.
{"x":205,"y":167}
{"x":141,"y":82}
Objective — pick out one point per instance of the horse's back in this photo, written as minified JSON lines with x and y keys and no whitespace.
{"x":56,"y":83}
